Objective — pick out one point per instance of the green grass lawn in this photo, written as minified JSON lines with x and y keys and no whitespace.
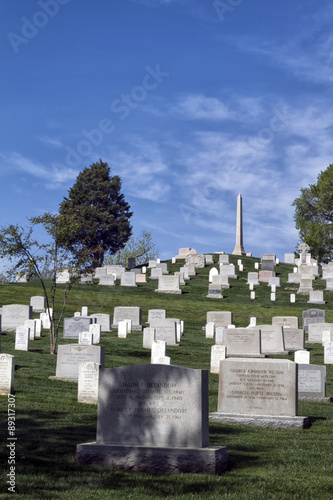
{"x":263,"y":463}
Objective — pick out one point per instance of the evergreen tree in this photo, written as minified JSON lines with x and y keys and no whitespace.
{"x":94,"y":218}
{"x":314,"y":215}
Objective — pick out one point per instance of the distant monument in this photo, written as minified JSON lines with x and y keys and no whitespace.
{"x":239,"y":249}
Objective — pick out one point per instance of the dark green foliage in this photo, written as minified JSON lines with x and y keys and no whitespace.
{"x":314,"y":215}
{"x":94,"y":218}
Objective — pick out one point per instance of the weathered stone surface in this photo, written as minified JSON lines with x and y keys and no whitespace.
{"x":70,"y":356}
{"x":14,"y":315}
{"x":209,"y":460}
{"x":7,"y":367}
{"x":311,"y":382}
{"x":128,"y":312}
{"x":220,"y":318}
{"x":313,"y":316}
{"x":74,"y":326}
{"x":127,"y":417}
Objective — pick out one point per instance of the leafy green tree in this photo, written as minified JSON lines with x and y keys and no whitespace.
{"x":141,"y":248}
{"x":34,"y":259}
{"x":314,"y":215}
{"x":94,"y":218}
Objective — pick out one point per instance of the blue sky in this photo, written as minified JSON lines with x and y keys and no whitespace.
{"x":190,"y":101}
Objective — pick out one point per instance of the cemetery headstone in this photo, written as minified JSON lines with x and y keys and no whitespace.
{"x":220,"y":318}
{"x":312,"y":383}
{"x":328,"y":353}
{"x":244,"y":342}
{"x":153,"y":418}
{"x":7,"y":367}
{"x":293,"y":338}
{"x":302,"y":357}
{"x":218,"y":352}
{"x":154,"y":314}
{"x":258,"y":392}
{"x":127,"y":279}
{"x":316,"y":297}
{"x":272,"y":339}
{"x":102,"y":319}
{"x":73,"y":326}
{"x":22,"y":338}
{"x":70,"y":356}
{"x":148,"y":337}
{"x":88,"y":380}
{"x":14,"y":315}
{"x":38,"y":303}
{"x":315,"y":332}
{"x":128,"y":312}
{"x":169,"y":284}
{"x":312,"y":316}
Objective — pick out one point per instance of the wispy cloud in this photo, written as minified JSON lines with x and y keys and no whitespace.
{"x":199,"y":107}
{"x":142,"y":168}
{"x":308,"y":54}
{"x":52,"y":176}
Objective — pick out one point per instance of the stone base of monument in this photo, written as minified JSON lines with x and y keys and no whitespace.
{"x":64,"y":379}
{"x":245,"y":355}
{"x":208,"y":460}
{"x":174,"y":292}
{"x":265,"y":421}
{"x":134,"y":328}
{"x":214,"y":296}
{"x":309,"y":399}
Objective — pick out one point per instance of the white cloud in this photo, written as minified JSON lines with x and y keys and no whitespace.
{"x":142,"y":168}
{"x":51,"y":175}
{"x":199,"y":107}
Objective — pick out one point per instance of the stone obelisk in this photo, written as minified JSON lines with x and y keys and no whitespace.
{"x":239,"y":249}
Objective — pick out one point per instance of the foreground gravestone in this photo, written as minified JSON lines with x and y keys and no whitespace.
{"x":70,"y":356}
{"x":312,"y":383}
{"x":7,"y":367}
{"x":88,"y":382}
{"x":132,"y":313}
{"x":313,"y":316}
{"x":153,"y":418}
{"x":261,"y":393}
{"x":14,"y":315}
{"x":74,"y":326}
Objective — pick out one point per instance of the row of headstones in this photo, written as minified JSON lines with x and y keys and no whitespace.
{"x":173,"y":401}
{"x":246,"y":342}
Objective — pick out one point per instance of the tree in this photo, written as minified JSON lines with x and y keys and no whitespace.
{"x":141,"y":248}
{"x":314,"y":215}
{"x":94,"y":218}
{"x":17,"y":244}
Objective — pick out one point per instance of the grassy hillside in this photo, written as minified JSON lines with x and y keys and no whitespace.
{"x":263,"y":463}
